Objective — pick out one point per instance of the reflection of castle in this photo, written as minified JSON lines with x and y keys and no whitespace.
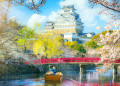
{"x":67,"y":23}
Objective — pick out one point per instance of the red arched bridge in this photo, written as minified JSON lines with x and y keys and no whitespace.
{"x":69,"y":60}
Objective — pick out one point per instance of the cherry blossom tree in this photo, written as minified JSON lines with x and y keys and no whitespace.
{"x":110,"y":52}
{"x":30,"y":4}
{"x":111,"y":8}
{"x":8,"y":28}
{"x":109,"y":4}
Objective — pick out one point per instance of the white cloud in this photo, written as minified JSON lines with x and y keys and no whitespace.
{"x":36,"y":18}
{"x":105,"y":18}
{"x":105,"y":15}
{"x":77,"y":3}
{"x":53,"y":16}
{"x":89,"y":16}
{"x":94,"y":24}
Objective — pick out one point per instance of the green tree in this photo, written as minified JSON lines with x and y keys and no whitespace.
{"x":70,"y":44}
{"x":96,"y":38}
{"x":48,"y":45}
{"x":91,"y":44}
{"x":75,"y":46}
{"x":25,"y":35}
{"x":81,"y":50}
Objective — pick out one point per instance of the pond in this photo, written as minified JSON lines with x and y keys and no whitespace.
{"x":71,"y":78}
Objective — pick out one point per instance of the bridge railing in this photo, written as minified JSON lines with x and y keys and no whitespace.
{"x":80,"y":59}
{"x":117,"y":61}
{"x":46,"y":61}
{"x":69,"y":60}
{"x":66,"y":60}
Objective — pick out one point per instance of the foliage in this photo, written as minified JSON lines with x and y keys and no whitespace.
{"x":79,"y":47}
{"x":8,"y":30}
{"x":6,"y":4}
{"x":81,"y":50}
{"x":24,"y":36}
{"x":75,"y":46}
{"x":109,"y":50}
{"x":8,"y":33}
{"x":97,"y":37}
{"x":31,"y":4}
{"x":48,"y":45}
{"x":109,"y":42}
{"x":14,"y":24}
{"x":91,"y":44}
{"x":111,"y":4}
{"x":71,"y":44}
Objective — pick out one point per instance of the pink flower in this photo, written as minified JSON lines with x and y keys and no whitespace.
{"x":115,"y":25}
{"x":98,"y":27}
{"x":108,"y":27}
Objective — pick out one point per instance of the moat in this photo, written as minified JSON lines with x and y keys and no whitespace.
{"x":71,"y":78}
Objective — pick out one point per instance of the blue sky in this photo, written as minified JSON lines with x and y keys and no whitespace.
{"x":89,"y":16}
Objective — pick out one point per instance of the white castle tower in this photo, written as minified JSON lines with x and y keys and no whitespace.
{"x":68,"y":21}
{"x":49,"y":26}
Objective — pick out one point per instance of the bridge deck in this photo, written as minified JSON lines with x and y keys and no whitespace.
{"x":86,"y":60}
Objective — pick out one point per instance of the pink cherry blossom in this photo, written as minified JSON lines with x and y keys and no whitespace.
{"x":108,"y":27}
{"x":116,"y":25}
{"x":98,"y":27}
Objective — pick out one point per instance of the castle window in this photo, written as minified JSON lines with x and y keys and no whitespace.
{"x":66,"y":10}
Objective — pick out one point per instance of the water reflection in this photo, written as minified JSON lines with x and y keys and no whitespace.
{"x":71,"y":78}
{"x":53,"y":83}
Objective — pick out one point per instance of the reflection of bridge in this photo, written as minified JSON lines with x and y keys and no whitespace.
{"x":80,"y":60}
{"x":76,"y":60}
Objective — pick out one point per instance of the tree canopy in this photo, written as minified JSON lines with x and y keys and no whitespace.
{"x":75,"y":46}
{"x":24,"y":36}
{"x":48,"y":45}
{"x":96,"y":38}
{"x":91,"y":44}
{"x":109,"y":4}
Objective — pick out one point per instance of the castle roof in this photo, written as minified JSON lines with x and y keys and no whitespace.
{"x":69,"y":7}
{"x":87,"y":33}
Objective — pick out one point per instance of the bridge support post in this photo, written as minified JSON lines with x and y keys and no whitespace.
{"x":84,"y":69}
{"x":49,"y":67}
{"x":114,"y":72}
{"x":115,"y":69}
{"x":80,"y":72}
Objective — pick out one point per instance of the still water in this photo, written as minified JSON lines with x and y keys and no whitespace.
{"x":71,"y":78}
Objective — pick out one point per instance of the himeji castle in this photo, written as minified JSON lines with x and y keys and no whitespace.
{"x":68,"y":23}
